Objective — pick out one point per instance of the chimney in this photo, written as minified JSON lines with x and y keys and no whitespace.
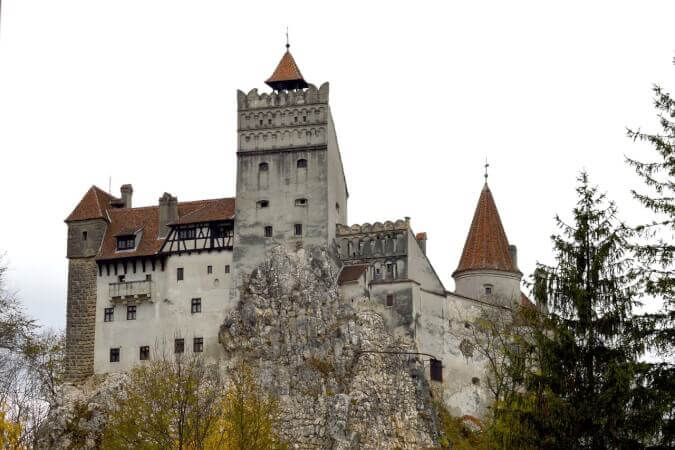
{"x":127,"y":191}
{"x":513,"y":251}
{"x":168,"y":213}
{"x":422,"y":240}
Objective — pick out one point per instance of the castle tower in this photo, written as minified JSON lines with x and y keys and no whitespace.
{"x":488,"y":268}
{"x":291,"y":188}
{"x":86,"y":227}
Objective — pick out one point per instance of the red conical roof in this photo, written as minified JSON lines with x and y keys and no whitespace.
{"x":486,"y":245}
{"x":287,"y":75}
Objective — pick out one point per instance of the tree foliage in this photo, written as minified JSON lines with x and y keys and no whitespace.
{"x":583,"y":382}
{"x":183,"y":404}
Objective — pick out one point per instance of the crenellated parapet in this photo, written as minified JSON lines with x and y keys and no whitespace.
{"x":300,"y":97}
{"x":377,"y":227}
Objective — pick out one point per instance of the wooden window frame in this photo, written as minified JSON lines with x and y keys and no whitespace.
{"x":108,"y":314}
{"x":144,"y":353}
{"x":131,"y":312}
{"x":196,"y":305}
{"x":127,"y":242}
{"x":198,"y":345}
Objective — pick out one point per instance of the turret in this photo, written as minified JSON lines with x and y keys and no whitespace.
{"x":488,"y":267}
{"x":87,"y":225}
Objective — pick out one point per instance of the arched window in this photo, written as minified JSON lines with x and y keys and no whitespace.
{"x":263,"y":167}
{"x":302,"y":163}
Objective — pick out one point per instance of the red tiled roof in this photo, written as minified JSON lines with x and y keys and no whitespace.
{"x":486,"y":245}
{"x":525,"y":300}
{"x":93,"y":205}
{"x":287,"y":74}
{"x":219,"y":209}
{"x":352,"y":273}
{"x":421,"y":236}
{"x":147,"y":221}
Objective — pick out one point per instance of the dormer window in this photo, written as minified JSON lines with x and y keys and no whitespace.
{"x":127,"y":242}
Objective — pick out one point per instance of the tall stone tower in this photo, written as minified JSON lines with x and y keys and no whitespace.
{"x":86,"y":227}
{"x":488,"y":268}
{"x":291,"y":187}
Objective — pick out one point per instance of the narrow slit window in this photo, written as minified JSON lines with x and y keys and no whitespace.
{"x":227,"y":268}
{"x":179,"y":274}
{"x":209,"y":269}
{"x":84,"y":235}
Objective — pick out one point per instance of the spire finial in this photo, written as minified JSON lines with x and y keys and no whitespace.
{"x":288,"y":45}
{"x":486,"y":169}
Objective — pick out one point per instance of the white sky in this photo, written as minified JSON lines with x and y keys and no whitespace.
{"x":421,"y":92}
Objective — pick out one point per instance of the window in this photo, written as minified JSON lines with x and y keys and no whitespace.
{"x":263,"y":167}
{"x":302,"y":164}
{"x":148,"y":277}
{"x":198,"y":345}
{"x":475,"y":381}
{"x":269,"y":121}
{"x":187,"y":233}
{"x":131,"y":312}
{"x":108,"y":314}
{"x":220,"y":232}
{"x":261,"y":122}
{"x":126,"y":242}
{"x":390,"y":299}
{"x":209,"y":269}
{"x":436,"y":370}
{"x":120,"y":278}
{"x":268,"y":231}
{"x":179,"y":274}
{"x":488,"y":289}
{"x":179,"y":345}
{"x":295,"y":119}
{"x":337,"y":208}
{"x":263,"y":203}
{"x":114,"y":355}
{"x":227,"y":268}
{"x":298,"y":229}
{"x":144,"y":353}
{"x":300,"y":202}
{"x":304,"y":118}
{"x":84,"y":235}
{"x":390,"y":270}
{"x":196,"y":305}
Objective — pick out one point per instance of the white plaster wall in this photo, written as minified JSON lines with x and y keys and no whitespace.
{"x":420,"y":268}
{"x":337,"y":187}
{"x":440,"y":328}
{"x":168,"y":314}
{"x":505,"y":286}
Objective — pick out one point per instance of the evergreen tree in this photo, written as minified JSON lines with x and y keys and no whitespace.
{"x":655,"y":271}
{"x":586,"y":384}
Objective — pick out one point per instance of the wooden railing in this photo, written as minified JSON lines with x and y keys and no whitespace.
{"x":141,"y":288}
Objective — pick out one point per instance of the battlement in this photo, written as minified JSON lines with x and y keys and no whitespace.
{"x":377,"y":227}
{"x":308,"y":96}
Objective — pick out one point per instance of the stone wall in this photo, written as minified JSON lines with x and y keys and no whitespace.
{"x":80,"y":318}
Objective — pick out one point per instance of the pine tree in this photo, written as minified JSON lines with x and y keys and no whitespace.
{"x":586,"y":384}
{"x":655,"y":251}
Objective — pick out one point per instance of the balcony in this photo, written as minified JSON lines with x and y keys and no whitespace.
{"x":128,"y":290}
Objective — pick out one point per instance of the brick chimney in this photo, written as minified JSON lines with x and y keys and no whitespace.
{"x":422,"y":240}
{"x":127,"y":192}
{"x":168,"y":213}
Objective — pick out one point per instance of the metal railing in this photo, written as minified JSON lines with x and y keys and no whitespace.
{"x":141,"y":288}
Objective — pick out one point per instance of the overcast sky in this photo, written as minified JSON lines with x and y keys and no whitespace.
{"x":144,"y":91}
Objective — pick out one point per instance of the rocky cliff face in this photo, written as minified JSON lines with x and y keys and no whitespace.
{"x":316,"y":352}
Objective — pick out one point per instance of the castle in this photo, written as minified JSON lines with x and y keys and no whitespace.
{"x":168,"y":274}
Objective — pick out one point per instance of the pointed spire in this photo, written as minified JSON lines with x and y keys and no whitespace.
{"x":287,"y":75}
{"x":486,"y":245}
